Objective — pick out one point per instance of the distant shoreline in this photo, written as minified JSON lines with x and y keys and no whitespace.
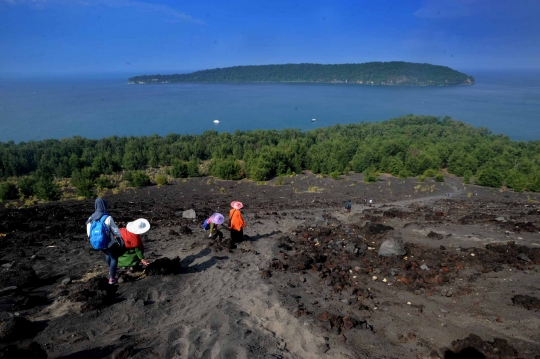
{"x":395,"y":73}
{"x":294,"y":82}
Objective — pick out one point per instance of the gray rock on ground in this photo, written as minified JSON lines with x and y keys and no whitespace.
{"x":189,"y":214}
{"x":392,"y":247}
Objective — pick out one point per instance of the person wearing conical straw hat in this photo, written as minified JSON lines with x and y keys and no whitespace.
{"x":134,"y":253}
{"x":236,"y":222}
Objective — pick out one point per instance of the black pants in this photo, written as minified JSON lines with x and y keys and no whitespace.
{"x":217,"y":235}
{"x":237,"y":236}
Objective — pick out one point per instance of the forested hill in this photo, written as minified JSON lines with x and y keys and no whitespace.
{"x":370,"y":73}
{"x":422,"y":146}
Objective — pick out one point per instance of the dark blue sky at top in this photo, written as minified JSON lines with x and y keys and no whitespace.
{"x":106,"y":36}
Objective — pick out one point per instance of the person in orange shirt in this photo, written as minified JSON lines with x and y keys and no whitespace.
{"x":134,"y":248}
{"x":236,"y":222}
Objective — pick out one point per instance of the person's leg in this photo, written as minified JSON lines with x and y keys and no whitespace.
{"x":112,"y":261}
{"x":109,"y":260}
{"x":113,"y":266}
{"x":241,"y":235}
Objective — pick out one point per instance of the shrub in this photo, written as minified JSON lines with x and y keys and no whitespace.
{"x":258,"y":172}
{"x":104,"y":182}
{"x":179,"y":170}
{"x":84,"y":181}
{"x":439,"y":177}
{"x":490,"y":178}
{"x":139,"y":179}
{"x":533,"y":183}
{"x":26,"y":186}
{"x":8,"y":191}
{"x":430,"y":173}
{"x":228,"y":169}
{"x":370,"y":176}
{"x":404,"y":174}
{"x":421,"y":178}
{"x":467,"y":176}
{"x":516,"y":180}
{"x":193,"y":168}
{"x":336,"y":175}
{"x":46,"y":189}
{"x":127,"y":176}
{"x":162,"y":180}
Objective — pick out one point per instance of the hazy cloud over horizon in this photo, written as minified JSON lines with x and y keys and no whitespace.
{"x":101,"y":35}
{"x":138,"y":5}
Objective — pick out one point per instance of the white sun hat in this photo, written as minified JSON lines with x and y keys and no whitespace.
{"x":138,"y":226}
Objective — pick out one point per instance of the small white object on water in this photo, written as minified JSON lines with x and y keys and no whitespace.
{"x":216,"y":121}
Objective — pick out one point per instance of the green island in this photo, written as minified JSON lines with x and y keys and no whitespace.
{"x":421,"y":146}
{"x":395,"y":73}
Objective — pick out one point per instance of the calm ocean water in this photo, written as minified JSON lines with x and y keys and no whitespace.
{"x":507,"y":103}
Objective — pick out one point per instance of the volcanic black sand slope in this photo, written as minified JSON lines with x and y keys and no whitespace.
{"x":307,"y":281}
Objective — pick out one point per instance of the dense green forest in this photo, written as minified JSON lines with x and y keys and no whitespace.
{"x":371,"y":73}
{"x":405,"y":146}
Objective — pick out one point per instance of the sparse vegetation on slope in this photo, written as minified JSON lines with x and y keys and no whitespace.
{"x":404,"y":147}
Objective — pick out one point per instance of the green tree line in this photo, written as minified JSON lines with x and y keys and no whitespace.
{"x":372,"y":73}
{"x":406,"y":146}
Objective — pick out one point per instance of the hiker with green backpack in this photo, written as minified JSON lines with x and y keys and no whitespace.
{"x":105,"y":236}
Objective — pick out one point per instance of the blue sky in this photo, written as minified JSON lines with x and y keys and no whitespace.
{"x":106,"y":36}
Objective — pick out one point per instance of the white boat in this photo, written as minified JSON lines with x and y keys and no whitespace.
{"x":216,"y":121}
{"x":313,"y":119}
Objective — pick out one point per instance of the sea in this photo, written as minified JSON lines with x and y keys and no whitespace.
{"x":505,"y":102}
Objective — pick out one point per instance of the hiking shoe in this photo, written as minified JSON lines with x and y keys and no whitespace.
{"x":113,"y":281}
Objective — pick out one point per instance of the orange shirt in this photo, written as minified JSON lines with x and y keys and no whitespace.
{"x":237,"y":222}
{"x":131,"y":240}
